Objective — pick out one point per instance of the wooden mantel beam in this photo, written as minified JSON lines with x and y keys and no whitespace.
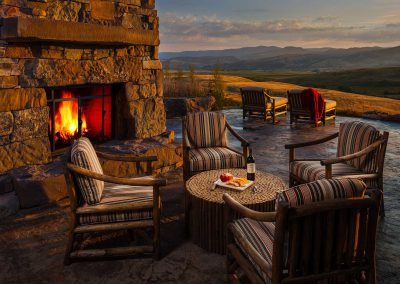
{"x":19,"y":29}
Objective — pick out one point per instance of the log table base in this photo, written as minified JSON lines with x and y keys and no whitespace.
{"x":204,"y":207}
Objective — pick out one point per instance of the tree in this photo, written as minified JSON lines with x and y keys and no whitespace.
{"x":218,"y":87}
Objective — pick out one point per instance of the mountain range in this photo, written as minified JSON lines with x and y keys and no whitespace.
{"x":272,"y":58}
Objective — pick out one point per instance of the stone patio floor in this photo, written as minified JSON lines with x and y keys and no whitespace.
{"x":32,"y":244}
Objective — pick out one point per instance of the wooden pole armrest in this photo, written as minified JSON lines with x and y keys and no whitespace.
{"x":248,"y":213}
{"x":350,"y":157}
{"x":244,"y":142}
{"x":125,"y":158}
{"x":147,"y":181}
{"x":311,"y":143}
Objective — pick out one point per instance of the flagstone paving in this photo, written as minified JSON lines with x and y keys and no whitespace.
{"x":33,"y":242}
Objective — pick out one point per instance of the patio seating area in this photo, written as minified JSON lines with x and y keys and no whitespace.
{"x":34,"y":241}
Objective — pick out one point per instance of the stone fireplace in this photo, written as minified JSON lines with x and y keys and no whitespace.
{"x":77,"y":68}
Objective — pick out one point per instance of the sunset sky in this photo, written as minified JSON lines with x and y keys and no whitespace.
{"x":220,"y":24}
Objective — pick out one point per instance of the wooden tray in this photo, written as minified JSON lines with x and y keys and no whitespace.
{"x":220,"y":183}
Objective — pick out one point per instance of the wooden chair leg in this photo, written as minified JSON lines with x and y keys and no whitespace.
{"x":273,"y":118}
{"x":70,"y":245}
{"x":382,"y":209}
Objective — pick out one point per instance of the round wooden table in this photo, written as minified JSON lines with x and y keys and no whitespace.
{"x":204,"y":207}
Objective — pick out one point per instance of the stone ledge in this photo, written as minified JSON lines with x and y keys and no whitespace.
{"x":19,"y":29}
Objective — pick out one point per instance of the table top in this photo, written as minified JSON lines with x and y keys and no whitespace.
{"x":267,"y":184}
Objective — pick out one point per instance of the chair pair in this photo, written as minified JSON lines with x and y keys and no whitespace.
{"x":101,"y":203}
{"x":360,"y":154}
{"x":298,"y":111}
{"x":258,"y":102}
{"x":206,"y":145}
{"x":321,"y":232}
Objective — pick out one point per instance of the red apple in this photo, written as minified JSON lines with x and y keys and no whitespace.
{"x":226,"y":177}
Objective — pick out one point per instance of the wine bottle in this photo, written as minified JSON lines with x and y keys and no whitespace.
{"x":251,"y":167}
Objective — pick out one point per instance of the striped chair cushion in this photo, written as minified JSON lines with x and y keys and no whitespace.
{"x":322,"y":190}
{"x":118,"y":194}
{"x":204,"y":159}
{"x":207,"y":129}
{"x":84,"y":156}
{"x":253,"y":96}
{"x":354,"y":137}
{"x":260,"y":235}
{"x":310,"y":171}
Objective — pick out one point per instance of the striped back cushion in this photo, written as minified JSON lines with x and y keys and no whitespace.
{"x":83,"y":155}
{"x":354,"y":137}
{"x":294,"y":97}
{"x":207,"y":129}
{"x":253,"y":96}
{"x":322,"y":190}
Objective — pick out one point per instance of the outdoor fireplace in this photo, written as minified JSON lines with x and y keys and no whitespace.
{"x":80,"y":112}
{"x":77,"y":68}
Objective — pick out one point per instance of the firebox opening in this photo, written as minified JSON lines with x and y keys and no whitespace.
{"x":80,"y":112}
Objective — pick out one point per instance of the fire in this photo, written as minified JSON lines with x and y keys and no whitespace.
{"x":66,"y":118}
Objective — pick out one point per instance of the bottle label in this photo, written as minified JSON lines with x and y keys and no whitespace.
{"x":251,"y":168}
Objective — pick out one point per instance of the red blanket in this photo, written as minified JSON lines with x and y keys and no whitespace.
{"x":314,"y":100}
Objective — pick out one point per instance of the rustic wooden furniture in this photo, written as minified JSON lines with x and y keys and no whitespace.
{"x":300,"y":112}
{"x":206,"y":145}
{"x":79,"y":210}
{"x":325,"y":242}
{"x":204,"y":206}
{"x":257,"y":101}
{"x":360,"y":154}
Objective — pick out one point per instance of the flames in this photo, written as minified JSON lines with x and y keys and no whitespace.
{"x":66,"y":118}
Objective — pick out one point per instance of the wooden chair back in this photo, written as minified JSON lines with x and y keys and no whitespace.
{"x":295,"y":101}
{"x":328,"y":240}
{"x":254,"y":97}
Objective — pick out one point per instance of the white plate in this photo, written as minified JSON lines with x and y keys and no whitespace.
{"x":220,"y":183}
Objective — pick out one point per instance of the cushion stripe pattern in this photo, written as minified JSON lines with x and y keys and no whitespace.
{"x":203,"y":159}
{"x":322,"y":190}
{"x":83,"y":155}
{"x":121,"y":194}
{"x":354,"y":137}
{"x":207,"y":129}
{"x":310,"y":171}
{"x":260,"y":236}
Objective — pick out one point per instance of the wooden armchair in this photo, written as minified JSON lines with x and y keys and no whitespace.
{"x":360,"y":154}
{"x":257,"y":101}
{"x":321,"y":238}
{"x":205,"y":144}
{"x":300,"y":112}
{"x":123,"y":203}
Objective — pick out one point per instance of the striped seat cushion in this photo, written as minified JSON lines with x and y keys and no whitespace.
{"x":207,"y":129}
{"x":204,"y":159}
{"x":322,"y":190}
{"x":310,"y":171}
{"x":121,"y":194}
{"x":354,"y":137}
{"x":83,"y":155}
{"x":260,"y":235}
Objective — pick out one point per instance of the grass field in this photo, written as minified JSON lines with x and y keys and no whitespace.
{"x":347,"y":103}
{"x":382,"y":82}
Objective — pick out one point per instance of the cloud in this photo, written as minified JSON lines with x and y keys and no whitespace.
{"x":194,"y":32}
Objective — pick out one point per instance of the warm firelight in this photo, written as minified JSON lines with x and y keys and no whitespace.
{"x":66,"y":118}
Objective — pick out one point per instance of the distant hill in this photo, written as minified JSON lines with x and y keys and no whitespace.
{"x":287,"y":58}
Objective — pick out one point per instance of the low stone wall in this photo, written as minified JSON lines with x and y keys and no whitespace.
{"x":179,"y":107}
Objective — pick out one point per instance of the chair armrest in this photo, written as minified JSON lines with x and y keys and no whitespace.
{"x":350,"y":157}
{"x":237,"y":136}
{"x":125,"y":158}
{"x":147,"y":181}
{"x":311,"y":143}
{"x":248,"y":213}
